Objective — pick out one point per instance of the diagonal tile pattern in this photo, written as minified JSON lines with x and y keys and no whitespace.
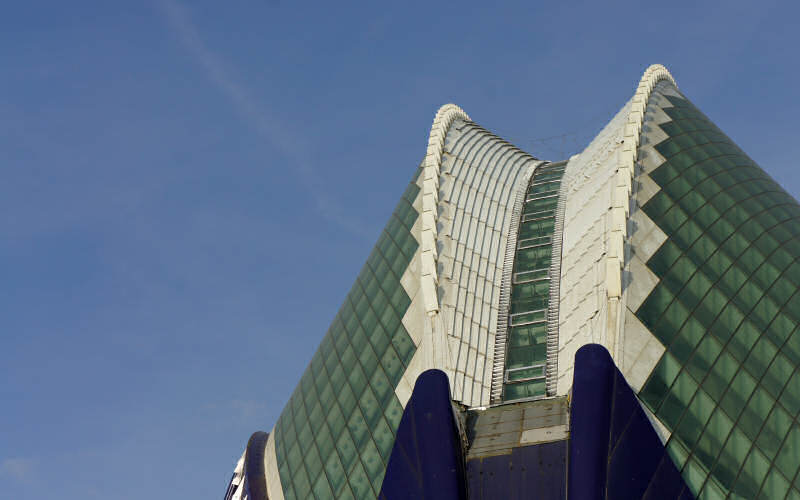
{"x":726,"y":309}
{"x":335,"y":435}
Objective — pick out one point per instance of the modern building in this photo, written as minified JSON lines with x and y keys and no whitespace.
{"x":620,"y":324}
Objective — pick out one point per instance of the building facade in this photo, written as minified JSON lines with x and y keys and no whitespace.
{"x":621,"y":324}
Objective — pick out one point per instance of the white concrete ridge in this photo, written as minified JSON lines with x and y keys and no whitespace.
{"x":627,"y":159}
{"x":456,"y":303}
{"x":598,"y":188}
{"x":620,"y":198}
{"x":588,"y":185}
{"x":430,"y":199}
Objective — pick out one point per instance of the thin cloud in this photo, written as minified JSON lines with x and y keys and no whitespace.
{"x":247,"y":409}
{"x":248,"y":108}
{"x":19,"y":469}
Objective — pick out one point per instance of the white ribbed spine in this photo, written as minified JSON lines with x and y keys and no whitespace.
{"x":430,"y":199}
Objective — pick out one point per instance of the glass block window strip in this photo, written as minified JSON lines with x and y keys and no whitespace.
{"x":334,"y":437}
{"x":526,"y":348}
{"x":727,"y":310}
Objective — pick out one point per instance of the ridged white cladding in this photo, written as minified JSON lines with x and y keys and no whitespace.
{"x":415,"y":319}
{"x":620,"y":202}
{"x":598,"y":185}
{"x":453,"y":281}
{"x":639,"y":349}
{"x":587,"y":186}
{"x":420,"y":280}
{"x":430,"y":198}
{"x":479,"y":175}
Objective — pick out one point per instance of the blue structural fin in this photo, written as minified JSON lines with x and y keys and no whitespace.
{"x":427,"y":460}
{"x":254,"y":474}
{"x":614,"y":451}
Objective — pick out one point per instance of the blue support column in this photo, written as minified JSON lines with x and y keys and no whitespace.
{"x":614,"y":451}
{"x":427,"y":460}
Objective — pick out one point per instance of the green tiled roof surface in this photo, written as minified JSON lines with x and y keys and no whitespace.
{"x":727,"y":310}
{"x":334,"y":437}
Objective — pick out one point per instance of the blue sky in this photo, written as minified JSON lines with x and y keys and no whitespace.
{"x":189,"y":189}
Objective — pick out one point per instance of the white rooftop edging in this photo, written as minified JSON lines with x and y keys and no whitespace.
{"x":430,"y":199}
{"x":622,"y":191}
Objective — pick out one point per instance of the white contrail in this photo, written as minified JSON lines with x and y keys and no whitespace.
{"x":247,"y":106}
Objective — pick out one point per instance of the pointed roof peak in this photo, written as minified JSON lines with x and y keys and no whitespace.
{"x":655,"y":73}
